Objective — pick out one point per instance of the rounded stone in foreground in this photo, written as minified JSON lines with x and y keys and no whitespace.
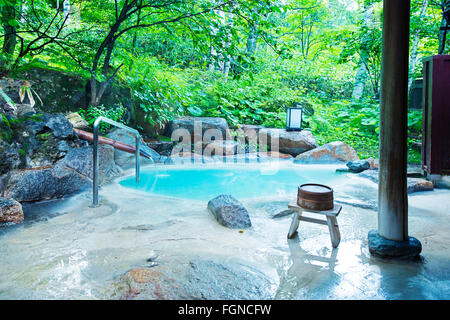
{"x":229,"y":212}
{"x":10,"y":211}
{"x":385,"y":248}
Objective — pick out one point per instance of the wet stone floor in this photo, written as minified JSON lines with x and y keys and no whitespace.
{"x":138,"y":245}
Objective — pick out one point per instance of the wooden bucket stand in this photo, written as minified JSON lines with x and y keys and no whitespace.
{"x":330,"y":221}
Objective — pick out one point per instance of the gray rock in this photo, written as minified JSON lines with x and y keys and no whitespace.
{"x":358,"y":165}
{"x":24,"y":109}
{"x":417,"y":185}
{"x":77,"y":121}
{"x":71,"y":174}
{"x":229,"y":212}
{"x":57,"y":124}
{"x":43,"y":183}
{"x":127,"y":160}
{"x":9,"y":156}
{"x":196,"y":279}
{"x":290,"y":142}
{"x":81,"y":161}
{"x":385,"y":248}
{"x":330,"y":153}
{"x":10,"y":211}
{"x":164,"y":148}
{"x":187,"y":123}
{"x":45,"y":140}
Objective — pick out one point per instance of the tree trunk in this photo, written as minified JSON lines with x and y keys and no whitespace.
{"x":360,"y":79}
{"x":251,"y":40}
{"x":10,"y":40}
{"x":252,"y":36}
{"x":362,"y":72}
{"x":415,"y":45}
{"x":66,"y":9}
{"x":229,"y":38}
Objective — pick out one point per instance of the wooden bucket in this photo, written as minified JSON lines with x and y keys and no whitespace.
{"x":316,"y":197}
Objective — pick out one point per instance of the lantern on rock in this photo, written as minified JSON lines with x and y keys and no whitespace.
{"x":294,"y":119}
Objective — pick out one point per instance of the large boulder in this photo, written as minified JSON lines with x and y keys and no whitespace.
{"x":194,"y":278}
{"x":42,"y":183}
{"x":290,"y":142}
{"x":127,"y":160}
{"x":56,"y":124}
{"x":81,"y":161}
{"x":69,"y":175}
{"x":229,"y":212}
{"x":330,"y":153}
{"x":10,"y":211}
{"x":197,"y":126}
{"x":46,"y":139}
{"x":37,"y":141}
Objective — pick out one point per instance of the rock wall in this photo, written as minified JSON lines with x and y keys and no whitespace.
{"x":62,"y":92}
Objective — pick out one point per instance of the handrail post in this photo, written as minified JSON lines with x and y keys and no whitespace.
{"x":95,"y":169}
{"x":95,"y":182}
{"x":138,"y":152}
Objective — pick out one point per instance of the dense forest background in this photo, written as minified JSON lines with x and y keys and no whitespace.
{"x":244,"y":60}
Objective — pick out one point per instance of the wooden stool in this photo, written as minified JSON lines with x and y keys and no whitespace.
{"x":331,"y":221}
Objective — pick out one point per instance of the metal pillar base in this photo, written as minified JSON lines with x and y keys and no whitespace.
{"x":390,"y":249}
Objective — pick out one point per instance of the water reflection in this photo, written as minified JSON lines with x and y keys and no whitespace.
{"x":402,"y":279}
{"x":306,"y":271}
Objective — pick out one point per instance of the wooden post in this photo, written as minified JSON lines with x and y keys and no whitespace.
{"x":392,"y":189}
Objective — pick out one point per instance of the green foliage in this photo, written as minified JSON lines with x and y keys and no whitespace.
{"x":259,"y":101}
{"x":116,"y":113}
{"x":158,"y":90}
{"x":197,"y":58}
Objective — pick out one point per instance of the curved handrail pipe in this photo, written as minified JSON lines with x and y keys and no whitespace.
{"x":84,"y":135}
{"x":95,"y":153}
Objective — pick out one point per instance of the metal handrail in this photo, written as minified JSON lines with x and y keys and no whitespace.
{"x":95,"y":153}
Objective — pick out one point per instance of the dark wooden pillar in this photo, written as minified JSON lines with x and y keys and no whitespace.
{"x":392,"y":190}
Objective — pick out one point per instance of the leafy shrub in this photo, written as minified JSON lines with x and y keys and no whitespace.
{"x":116,"y":113}
{"x":158,"y":90}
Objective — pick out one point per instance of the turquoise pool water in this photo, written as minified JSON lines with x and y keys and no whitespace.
{"x":241,"y":181}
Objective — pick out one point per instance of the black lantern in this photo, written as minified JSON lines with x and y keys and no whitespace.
{"x":294,"y":119}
